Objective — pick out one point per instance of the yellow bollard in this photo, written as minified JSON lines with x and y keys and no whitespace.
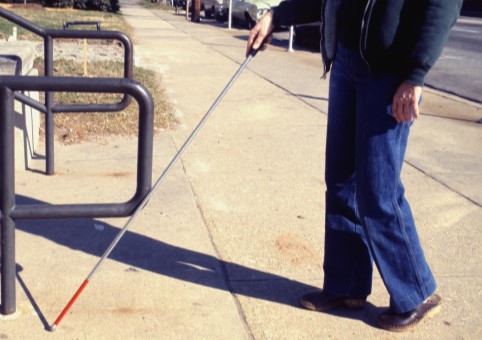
{"x":85,"y":57}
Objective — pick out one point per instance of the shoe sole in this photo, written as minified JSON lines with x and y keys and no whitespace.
{"x":429,"y":314}
{"x":350,"y":304}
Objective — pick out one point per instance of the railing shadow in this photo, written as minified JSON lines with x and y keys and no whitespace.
{"x":145,"y":253}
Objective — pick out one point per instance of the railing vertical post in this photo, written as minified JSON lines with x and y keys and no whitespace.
{"x":7,"y":200}
{"x":49,"y":117}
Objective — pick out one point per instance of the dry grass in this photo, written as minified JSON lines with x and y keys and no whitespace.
{"x":54,"y":18}
{"x":76,"y":127}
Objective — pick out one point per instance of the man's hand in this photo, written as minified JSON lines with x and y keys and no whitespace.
{"x":405,"y":102}
{"x":260,"y":35}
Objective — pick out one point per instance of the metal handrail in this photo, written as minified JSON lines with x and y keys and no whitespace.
{"x":49,"y":108}
{"x":11,"y":212}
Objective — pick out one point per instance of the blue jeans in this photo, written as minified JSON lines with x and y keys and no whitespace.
{"x":368,"y":218}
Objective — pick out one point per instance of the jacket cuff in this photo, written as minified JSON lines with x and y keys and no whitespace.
{"x":417,"y":77}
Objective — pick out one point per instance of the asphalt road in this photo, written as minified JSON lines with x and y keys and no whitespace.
{"x":459,"y":68}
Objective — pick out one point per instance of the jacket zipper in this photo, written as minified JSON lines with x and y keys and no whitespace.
{"x":364,"y":30}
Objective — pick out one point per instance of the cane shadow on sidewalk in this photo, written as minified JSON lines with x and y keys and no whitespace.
{"x":139,"y":252}
{"x":28,"y":294}
{"x":30,"y":297}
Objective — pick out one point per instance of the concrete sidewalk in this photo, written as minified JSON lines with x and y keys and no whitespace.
{"x":235,"y":233}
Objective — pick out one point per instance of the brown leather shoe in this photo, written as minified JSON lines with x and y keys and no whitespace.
{"x":321,"y":301}
{"x":400,"y":322}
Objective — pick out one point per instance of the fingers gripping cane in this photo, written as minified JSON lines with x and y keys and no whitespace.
{"x":146,"y":199}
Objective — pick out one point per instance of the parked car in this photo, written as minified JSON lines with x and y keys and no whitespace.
{"x":181,"y":4}
{"x":247,"y":12}
{"x":214,"y":9}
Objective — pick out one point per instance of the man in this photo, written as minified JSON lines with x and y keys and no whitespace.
{"x":378,"y":53}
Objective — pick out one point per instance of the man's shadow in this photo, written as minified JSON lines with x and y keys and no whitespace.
{"x":145,"y":253}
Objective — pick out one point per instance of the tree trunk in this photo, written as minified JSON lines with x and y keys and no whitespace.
{"x":196,"y":13}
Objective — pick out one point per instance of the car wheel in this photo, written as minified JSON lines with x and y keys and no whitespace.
{"x":221,"y":17}
{"x":208,"y":13}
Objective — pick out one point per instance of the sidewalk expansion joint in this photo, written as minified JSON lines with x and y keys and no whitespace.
{"x":471,"y":200}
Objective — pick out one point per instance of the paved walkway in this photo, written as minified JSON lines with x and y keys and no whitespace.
{"x":235,"y":233}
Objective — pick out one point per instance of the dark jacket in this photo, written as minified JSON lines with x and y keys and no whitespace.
{"x":404,"y":36}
